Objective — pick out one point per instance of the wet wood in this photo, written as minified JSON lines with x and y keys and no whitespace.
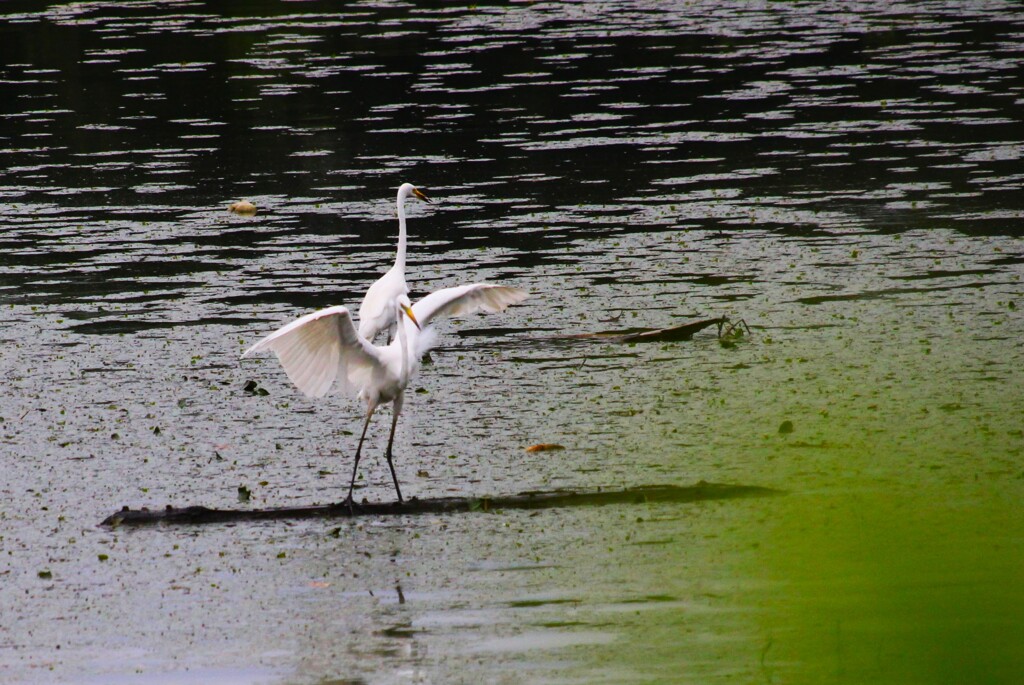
{"x":445,"y":505}
{"x":672,"y":334}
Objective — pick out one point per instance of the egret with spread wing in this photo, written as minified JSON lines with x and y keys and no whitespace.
{"x":377,"y":312}
{"x":322,"y":349}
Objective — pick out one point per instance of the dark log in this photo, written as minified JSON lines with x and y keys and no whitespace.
{"x":672,"y":334}
{"x":444,"y":505}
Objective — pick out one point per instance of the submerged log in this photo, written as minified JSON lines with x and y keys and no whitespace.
{"x":443,"y":505}
{"x":672,"y":334}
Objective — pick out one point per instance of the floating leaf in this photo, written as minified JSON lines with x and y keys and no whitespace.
{"x":785,"y":428}
{"x":253,"y":388}
{"x":243,"y":207}
{"x":545,"y":447}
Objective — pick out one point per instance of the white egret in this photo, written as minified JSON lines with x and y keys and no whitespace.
{"x":321,"y":349}
{"x":377,"y":312}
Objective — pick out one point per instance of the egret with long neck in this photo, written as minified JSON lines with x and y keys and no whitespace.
{"x":377,"y":312}
{"x":391,"y":386}
{"x":322,"y":348}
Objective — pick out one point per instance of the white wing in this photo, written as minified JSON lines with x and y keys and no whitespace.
{"x":466,"y":299}
{"x":320,"y":348}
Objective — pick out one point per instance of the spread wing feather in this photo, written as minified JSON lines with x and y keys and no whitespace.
{"x":320,"y":348}
{"x":458,"y":301}
{"x":466,"y":299}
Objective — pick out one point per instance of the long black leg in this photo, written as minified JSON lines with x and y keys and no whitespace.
{"x":391,"y":440}
{"x":359,"y":449}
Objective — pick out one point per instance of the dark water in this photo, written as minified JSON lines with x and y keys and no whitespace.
{"x":847,"y":179}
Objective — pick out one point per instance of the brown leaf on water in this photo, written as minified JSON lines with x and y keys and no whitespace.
{"x":545,"y":447}
{"x":242,"y":207}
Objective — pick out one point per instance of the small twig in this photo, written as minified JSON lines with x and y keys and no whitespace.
{"x":731,"y":329}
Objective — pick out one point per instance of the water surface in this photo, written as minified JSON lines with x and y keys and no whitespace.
{"x":846,"y":180}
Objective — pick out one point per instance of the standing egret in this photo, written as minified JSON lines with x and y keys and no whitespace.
{"x":321,"y":348}
{"x":377,"y":312}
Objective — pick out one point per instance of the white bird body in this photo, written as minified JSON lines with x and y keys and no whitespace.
{"x":377,"y":312}
{"x":322,"y":350}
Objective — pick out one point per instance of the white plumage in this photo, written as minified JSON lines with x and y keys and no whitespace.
{"x":323,"y":350}
{"x":377,"y":312}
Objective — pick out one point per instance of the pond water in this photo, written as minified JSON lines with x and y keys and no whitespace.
{"x":844,"y":178}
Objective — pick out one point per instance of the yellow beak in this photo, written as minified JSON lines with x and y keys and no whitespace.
{"x":412,"y":317}
{"x":420,"y":195}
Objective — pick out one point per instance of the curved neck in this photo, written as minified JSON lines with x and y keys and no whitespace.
{"x":400,"y":257}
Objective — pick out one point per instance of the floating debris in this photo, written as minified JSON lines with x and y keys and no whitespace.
{"x":253,"y":388}
{"x":729,"y":333}
{"x":673,"y":334}
{"x":545,"y":447}
{"x":243,"y":207}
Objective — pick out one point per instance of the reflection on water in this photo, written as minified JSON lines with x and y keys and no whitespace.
{"x":844,"y":178}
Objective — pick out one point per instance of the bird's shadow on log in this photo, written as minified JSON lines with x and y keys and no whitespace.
{"x":195,"y":515}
